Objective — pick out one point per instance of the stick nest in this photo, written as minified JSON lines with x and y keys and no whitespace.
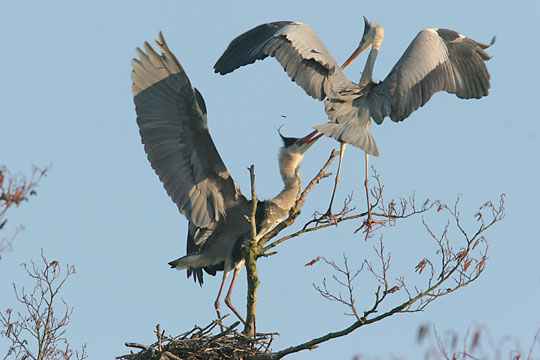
{"x":203,"y":344}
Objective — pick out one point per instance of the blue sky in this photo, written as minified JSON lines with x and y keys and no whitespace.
{"x":66,"y":100}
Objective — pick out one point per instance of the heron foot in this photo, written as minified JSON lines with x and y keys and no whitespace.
{"x":368,"y":225}
{"x":328,"y":214}
{"x":325,"y":218}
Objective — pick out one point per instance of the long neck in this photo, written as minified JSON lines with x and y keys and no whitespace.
{"x":367,"y":74}
{"x":290,"y":173}
{"x":368,"y":69}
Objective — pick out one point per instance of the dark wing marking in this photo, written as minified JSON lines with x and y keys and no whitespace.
{"x":192,"y":248}
{"x":195,"y":239}
{"x":297,"y":48}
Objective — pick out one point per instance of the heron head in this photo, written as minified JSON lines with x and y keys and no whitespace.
{"x":292,"y":154}
{"x":373,"y":36}
{"x":299,"y":145}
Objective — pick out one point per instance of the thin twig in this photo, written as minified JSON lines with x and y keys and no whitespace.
{"x":295,"y":211}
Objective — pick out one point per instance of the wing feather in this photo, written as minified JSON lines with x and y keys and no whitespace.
{"x":436,"y":60}
{"x":295,"y":46}
{"x":196,"y":237}
{"x":171,"y":115}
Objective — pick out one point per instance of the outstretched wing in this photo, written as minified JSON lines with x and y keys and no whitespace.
{"x":172,"y":120}
{"x":297,"y":48}
{"x":436,"y":60}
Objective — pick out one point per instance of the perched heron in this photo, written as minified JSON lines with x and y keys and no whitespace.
{"x":436,"y":60}
{"x":171,"y":115}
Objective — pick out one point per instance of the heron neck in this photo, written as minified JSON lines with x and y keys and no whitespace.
{"x":291,"y":190}
{"x":368,"y":69}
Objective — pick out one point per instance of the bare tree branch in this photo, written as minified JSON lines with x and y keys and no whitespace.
{"x":452,"y":346}
{"x":456,"y":271}
{"x":14,"y":190}
{"x":295,"y":211}
{"x":39,"y":332}
{"x":457,"y":258}
{"x":251,"y":251}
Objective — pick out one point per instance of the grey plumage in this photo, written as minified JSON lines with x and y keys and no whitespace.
{"x":171,"y":115}
{"x":181,"y":152}
{"x":436,"y":60}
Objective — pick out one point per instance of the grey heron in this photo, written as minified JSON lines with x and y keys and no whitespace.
{"x":172,"y":120}
{"x":436,"y":60}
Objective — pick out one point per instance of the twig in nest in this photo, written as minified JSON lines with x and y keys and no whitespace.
{"x":201,"y":344}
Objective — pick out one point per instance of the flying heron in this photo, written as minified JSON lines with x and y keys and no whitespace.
{"x":436,"y":60}
{"x":171,"y":115}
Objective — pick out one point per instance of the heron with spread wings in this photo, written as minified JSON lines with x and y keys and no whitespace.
{"x":436,"y":60}
{"x":172,"y":120}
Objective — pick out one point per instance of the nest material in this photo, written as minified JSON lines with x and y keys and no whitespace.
{"x":202,"y":344}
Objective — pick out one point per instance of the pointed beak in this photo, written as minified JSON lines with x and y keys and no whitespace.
{"x":361,"y":47}
{"x":306,"y":142}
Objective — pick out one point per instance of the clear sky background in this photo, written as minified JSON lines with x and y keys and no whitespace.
{"x":65,"y":100}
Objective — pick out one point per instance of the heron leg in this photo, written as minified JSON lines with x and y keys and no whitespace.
{"x":329,"y":211}
{"x":366,"y":184}
{"x":228,"y":297}
{"x":216,"y":303}
{"x":368,"y":223}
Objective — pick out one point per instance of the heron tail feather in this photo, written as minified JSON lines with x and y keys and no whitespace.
{"x":189,"y":261}
{"x":351,"y":133}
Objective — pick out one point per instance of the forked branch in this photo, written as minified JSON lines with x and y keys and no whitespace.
{"x":14,"y":190}
{"x":38,"y":332}
{"x":460,"y":265}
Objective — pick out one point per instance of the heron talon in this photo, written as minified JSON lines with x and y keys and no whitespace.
{"x":368,"y":225}
{"x":324,"y":218}
{"x":330,"y":216}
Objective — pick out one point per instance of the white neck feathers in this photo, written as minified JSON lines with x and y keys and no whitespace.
{"x":289,"y":164}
